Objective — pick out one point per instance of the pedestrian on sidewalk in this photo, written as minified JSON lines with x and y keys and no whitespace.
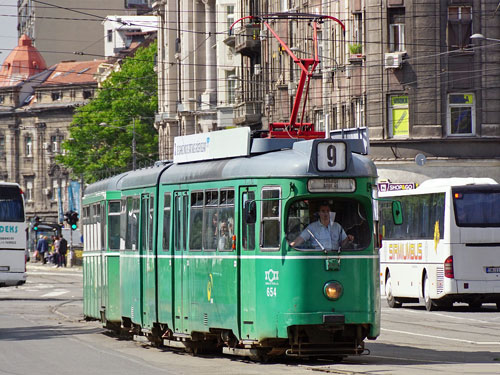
{"x":43,"y":248}
{"x":63,"y":249}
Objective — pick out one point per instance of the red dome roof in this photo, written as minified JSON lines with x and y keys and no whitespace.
{"x":23,"y":62}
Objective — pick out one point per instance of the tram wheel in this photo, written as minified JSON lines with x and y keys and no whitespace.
{"x":391,"y":300}
{"x":429,"y":304}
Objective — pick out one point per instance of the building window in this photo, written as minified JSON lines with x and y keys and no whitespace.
{"x":357,"y":112}
{"x":110,"y":36}
{"x":87,"y":94}
{"x":57,"y":95}
{"x":399,"y":116}
{"x":2,"y":146}
{"x":29,"y":146}
{"x":54,"y":141}
{"x":357,"y":31}
{"x":231,"y":87}
{"x":29,"y":190}
{"x":461,"y":114}
{"x":459,"y":27}
{"x":319,"y":120}
{"x":229,"y":15}
{"x":397,"y":30}
{"x":2,"y":98}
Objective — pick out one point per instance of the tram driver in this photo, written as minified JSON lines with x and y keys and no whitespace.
{"x":324,"y":234}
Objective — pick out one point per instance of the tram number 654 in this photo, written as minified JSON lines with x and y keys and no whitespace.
{"x":271,"y":292}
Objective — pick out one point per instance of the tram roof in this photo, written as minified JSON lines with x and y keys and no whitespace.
{"x":293,"y":162}
{"x":108,"y":184}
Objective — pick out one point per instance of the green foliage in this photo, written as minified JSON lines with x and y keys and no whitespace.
{"x":100,"y":140}
{"x":355,"y":48}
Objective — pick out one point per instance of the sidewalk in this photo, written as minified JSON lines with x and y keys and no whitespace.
{"x":31,"y":266}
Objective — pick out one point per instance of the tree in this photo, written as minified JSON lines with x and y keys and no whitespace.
{"x":102,"y":131}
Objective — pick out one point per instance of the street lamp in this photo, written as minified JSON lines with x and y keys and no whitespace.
{"x":482,"y":37}
{"x":134,"y":153}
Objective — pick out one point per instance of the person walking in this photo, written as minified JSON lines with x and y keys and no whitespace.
{"x":56,"y":251}
{"x":43,"y":248}
{"x":63,"y":249}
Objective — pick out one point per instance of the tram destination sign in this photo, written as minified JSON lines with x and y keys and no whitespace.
{"x":214,"y":145}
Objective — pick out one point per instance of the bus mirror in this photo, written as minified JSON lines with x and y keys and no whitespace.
{"x":250,"y":212}
{"x":397,"y":212}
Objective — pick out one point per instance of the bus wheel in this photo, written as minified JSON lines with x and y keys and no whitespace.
{"x":475,"y":306}
{"x":391,"y":300}
{"x":429,"y":304}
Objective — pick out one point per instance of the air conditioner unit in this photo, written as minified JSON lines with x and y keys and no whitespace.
{"x":393,"y":60}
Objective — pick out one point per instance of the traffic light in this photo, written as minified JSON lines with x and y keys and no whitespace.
{"x":74,"y":220}
{"x":71,"y":217}
{"x":36,"y":223}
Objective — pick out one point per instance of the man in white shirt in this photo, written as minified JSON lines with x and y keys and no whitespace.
{"x":324,"y":234}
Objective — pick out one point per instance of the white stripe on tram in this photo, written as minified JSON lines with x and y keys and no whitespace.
{"x":246,"y":257}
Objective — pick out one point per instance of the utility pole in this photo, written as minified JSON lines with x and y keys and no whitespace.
{"x":133,"y":145}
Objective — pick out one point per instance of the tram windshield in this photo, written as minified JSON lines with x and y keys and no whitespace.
{"x":327,"y":225}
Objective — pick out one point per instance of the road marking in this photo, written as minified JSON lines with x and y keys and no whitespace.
{"x":443,"y":338}
{"x":55,"y":293}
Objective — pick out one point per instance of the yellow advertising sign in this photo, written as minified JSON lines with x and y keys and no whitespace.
{"x":400,"y":122}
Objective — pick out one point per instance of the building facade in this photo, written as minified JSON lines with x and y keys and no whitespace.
{"x":407,"y":70}
{"x":197,"y":74}
{"x":61,"y":28}
{"x":35,"y":114}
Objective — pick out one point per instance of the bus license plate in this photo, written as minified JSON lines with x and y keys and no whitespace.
{"x":492,"y":269}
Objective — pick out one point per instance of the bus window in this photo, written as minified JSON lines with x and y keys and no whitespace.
{"x":477,"y":207}
{"x":270,"y":221}
{"x":348,"y":228}
{"x":11,"y":204}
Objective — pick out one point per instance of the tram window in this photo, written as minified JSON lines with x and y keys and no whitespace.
{"x":348,"y":213}
{"x":211,"y":220}
{"x":166,"y":222}
{"x":114,"y":225}
{"x":151,"y":221}
{"x":248,"y":230}
{"x":270,"y":232}
{"x":196,"y":221}
{"x":131,"y":223}
{"x":226,"y":221}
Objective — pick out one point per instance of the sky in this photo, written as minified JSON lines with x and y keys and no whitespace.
{"x":8,"y":27}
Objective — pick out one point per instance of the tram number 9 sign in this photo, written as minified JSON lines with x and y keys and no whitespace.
{"x":331,"y":156}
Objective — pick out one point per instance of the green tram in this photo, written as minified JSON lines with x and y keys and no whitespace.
{"x":205,"y":256}
{"x":101,"y":260}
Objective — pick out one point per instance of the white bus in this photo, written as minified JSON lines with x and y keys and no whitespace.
{"x":447,"y":249}
{"x":12,"y":235}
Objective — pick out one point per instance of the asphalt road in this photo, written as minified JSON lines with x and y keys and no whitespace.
{"x":42,"y":332}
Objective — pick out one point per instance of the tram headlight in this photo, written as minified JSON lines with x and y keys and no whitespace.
{"x":333,"y":290}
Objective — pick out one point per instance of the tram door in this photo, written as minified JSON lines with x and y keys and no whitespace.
{"x":148,"y":272}
{"x":247,"y":241}
{"x":180,"y":217}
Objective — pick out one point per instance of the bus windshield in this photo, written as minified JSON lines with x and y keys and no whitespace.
{"x":477,"y":206}
{"x":11,"y":204}
{"x":327,"y":224}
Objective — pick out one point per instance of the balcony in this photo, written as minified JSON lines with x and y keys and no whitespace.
{"x":247,"y":40}
{"x":248,"y":113}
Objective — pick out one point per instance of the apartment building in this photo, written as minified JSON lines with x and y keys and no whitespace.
{"x":60,"y":28}
{"x":36,"y":109}
{"x":407,"y":70}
